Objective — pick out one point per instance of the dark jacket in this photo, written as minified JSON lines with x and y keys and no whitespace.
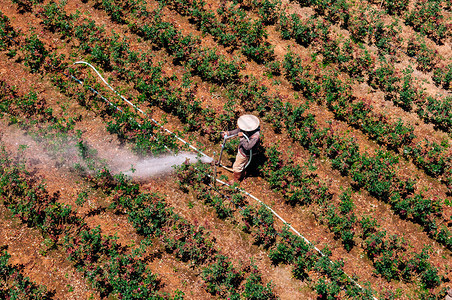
{"x":245,"y":146}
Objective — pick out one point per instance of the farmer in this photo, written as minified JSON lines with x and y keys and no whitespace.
{"x":249,"y":126}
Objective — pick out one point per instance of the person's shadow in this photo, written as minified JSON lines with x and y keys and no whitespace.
{"x":257,"y":160}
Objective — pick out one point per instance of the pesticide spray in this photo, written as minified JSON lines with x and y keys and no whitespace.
{"x":143,"y":169}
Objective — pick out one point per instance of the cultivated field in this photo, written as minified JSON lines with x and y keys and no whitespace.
{"x":355,"y":104}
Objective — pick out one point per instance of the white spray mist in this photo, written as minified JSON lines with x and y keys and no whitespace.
{"x":158,"y":166}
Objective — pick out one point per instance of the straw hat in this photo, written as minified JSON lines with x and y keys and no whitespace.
{"x":248,"y":122}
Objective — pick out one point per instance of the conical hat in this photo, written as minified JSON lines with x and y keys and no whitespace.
{"x":248,"y":122}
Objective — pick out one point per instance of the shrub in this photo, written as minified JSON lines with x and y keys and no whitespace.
{"x":254,"y":290}
{"x":34,"y":53}
{"x":55,"y":19}
{"x":221,"y":277}
{"x":259,"y":222}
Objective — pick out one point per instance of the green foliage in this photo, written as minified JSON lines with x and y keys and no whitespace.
{"x":443,"y":76}
{"x":108,"y":268}
{"x":255,"y":290}
{"x":7,"y":32}
{"x":144,"y":134}
{"x":426,"y":17}
{"x":34,"y":53}
{"x":55,"y":19}
{"x":393,"y":261}
{"x":342,"y":221}
{"x":187,"y":242}
{"x":148,"y":214}
{"x":221,"y":278}
{"x":14,"y":285}
{"x":26,"y":5}
{"x":426,"y":57}
{"x":259,"y":222}
{"x":28,"y":199}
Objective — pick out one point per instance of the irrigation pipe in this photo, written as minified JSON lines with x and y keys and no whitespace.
{"x":210,"y":176}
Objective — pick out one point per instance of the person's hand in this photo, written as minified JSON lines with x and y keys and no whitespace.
{"x":240,"y":133}
{"x":223,"y":134}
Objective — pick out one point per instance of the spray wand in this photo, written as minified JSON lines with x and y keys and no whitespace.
{"x":226,"y":137}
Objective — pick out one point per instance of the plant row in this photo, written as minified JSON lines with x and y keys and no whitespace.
{"x":351,"y":59}
{"x":418,"y":215}
{"x":233,"y":28}
{"x":299,"y":186}
{"x":340,"y":218}
{"x":359,"y":113}
{"x":435,"y":159}
{"x":426,"y":16}
{"x":356,"y":61}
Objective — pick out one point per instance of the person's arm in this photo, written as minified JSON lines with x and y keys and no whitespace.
{"x":249,"y":145}
{"x":232,"y":132}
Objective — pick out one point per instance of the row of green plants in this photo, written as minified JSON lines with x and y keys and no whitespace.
{"x":377,"y":173}
{"x":394,"y":135}
{"x":381,"y":132}
{"x":13,"y":283}
{"x":390,"y":254}
{"x":232,"y":28}
{"x":193,"y":248}
{"x":399,"y":89}
{"x":112,"y":268}
{"x":340,"y":217}
{"x":339,"y":99}
{"x":114,"y":54}
{"x":104,"y":262}
{"x":109,"y":266}
{"x":442,"y":75}
{"x":433,"y":158}
{"x":426,"y":16}
{"x":357,"y":62}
